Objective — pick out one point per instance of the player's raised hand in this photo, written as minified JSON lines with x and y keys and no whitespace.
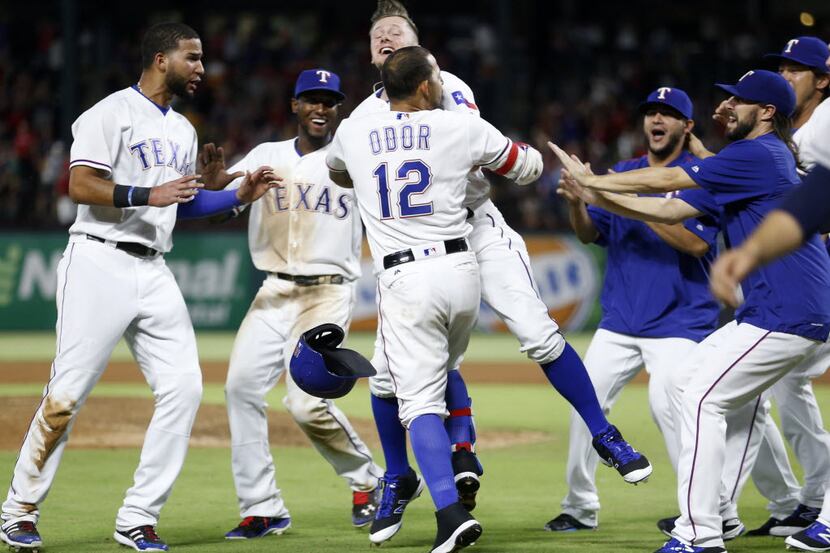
{"x":177,"y":191}
{"x":212,"y":162}
{"x":571,"y":164}
{"x":697,"y":148}
{"x":255,"y":184}
{"x":721,"y":113}
{"x":730,"y":268}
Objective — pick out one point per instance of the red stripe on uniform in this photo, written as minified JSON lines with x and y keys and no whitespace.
{"x":511,"y":160}
{"x":464,"y":412}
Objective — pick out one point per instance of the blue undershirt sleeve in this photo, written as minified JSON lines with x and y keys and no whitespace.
{"x":207,"y":203}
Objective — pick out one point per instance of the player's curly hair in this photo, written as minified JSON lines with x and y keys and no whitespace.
{"x":163,"y":37}
{"x":392,"y":8}
{"x":782,"y":127}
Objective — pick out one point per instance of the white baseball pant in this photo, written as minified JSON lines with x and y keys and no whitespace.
{"x":729,"y":369}
{"x":507,"y":286}
{"x":613,"y":360}
{"x":279,"y":314}
{"x":426,"y":312}
{"x":104,"y":294}
{"x":803,"y":428}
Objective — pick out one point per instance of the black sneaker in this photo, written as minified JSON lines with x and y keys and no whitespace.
{"x":615,"y":452}
{"x":457,"y":529}
{"x":141,"y":538}
{"x":801,"y":518}
{"x":566,"y":523}
{"x":731,"y":528}
{"x":364,"y":507}
{"x":258,"y":527}
{"x":467,"y":470}
{"x":396,"y":493}
{"x":764,"y":529}
{"x":21,"y":534}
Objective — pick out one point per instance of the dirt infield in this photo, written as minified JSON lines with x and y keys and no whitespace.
{"x":121,"y":422}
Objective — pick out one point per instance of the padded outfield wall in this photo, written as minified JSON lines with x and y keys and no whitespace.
{"x":218,"y":280}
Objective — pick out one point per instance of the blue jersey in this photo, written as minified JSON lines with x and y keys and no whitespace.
{"x":650,"y":289}
{"x":748,"y":179}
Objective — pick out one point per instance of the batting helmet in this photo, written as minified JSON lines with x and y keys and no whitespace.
{"x":321,"y":369}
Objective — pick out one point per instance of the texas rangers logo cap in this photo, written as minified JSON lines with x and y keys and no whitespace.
{"x":672,"y":97}
{"x":764,"y":87}
{"x":318,"y":79}
{"x":809,"y":51}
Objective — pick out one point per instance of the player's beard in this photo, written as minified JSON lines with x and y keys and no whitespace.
{"x":668,"y":148}
{"x":742,"y":128}
{"x":177,"y":85}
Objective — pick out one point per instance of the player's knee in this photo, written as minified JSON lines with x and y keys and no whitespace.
{"x":304,"y":409}
{"x":544,"y":349}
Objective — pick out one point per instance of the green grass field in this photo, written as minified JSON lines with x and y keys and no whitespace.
{"x":521,"y":489}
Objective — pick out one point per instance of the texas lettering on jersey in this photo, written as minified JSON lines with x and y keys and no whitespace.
{"x":310,"y":197}
{"x":153,"y":152}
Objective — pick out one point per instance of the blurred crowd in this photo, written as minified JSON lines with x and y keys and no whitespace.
{"x":576,"y":78}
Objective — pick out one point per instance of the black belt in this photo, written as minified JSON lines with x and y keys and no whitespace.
{"x":129,"y":247}
{"x":405,"y":256}
{"x":306,"y":280}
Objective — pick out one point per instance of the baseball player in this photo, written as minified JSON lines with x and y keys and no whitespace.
{"x":306,"y":235}
{"x":803,"y":213}
{"x":802,"y":63}
{"x":132,"y":163}
{"x":786,"y":312}
{"x":410,"y":195}
{"x":508,"y":287}
{"x":660,"y":269}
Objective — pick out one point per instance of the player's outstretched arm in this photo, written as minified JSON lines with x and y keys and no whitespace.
{"x":650,"y":179}
{"x":213,"y":202}
{"x":680,"y":238}
{"x":87,"y":186}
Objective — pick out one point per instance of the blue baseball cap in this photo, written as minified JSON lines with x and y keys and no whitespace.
{"x":764,"y":87}
{"x":806,"y":50}
{"x":318,"y":79}
{"x":672,"y":97}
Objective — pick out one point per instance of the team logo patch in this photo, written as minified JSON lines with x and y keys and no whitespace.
{"x":459,"y":98}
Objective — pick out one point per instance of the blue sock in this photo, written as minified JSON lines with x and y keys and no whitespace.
{"x":432,"y":450}
{"x":392,"y":434}
{"x":459,"y":424}
{"x":568,"y":375}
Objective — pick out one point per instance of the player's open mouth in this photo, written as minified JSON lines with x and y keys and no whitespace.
{"x":386,"y":50}
{"x":658,"y":134}
{"x":319,"y":121}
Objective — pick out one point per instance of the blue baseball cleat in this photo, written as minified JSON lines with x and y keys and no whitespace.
{"x":615,"y":452}
{"x":141,"y":538}
{"x":676,"y":546}
{"x":397,"y":492}
{"x":815,"y":537}
{"x":257,"y":527}
{"x":21,"y":534}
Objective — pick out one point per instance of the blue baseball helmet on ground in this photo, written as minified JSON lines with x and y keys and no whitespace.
{"x":321,"y":369}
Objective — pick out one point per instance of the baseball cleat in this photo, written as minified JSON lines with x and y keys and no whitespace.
{"x":801,"y":518}
{"x":257,"y":527}
{"x":141,"y":538}
{"x":21,"y":534}
{"x":457,"y":529}
{"x":566,"y":523}
{"x":676,"y":546}
{"x":364,"y":506}
{"x":731,"y":528}
{"x":815,"y":537}
{"x":615,"y":452}
{"x":396,"y":493}
{"x":467,"y":470}
{"x":764,"y":529}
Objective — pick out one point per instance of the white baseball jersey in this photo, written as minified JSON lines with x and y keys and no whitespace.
{"x":811,"y":138}
{"x":137,"y":143}
{"x":410,"y":173}
{"x":307,"y":225}
{"x":457,"y":96}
